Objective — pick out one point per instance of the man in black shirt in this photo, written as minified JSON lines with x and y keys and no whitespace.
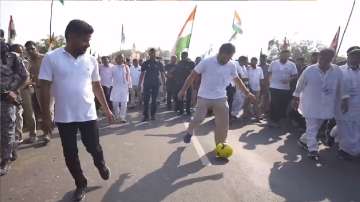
{"x":181,"y":72}
{"x":150,"y":78}
{"x":170,"y":82}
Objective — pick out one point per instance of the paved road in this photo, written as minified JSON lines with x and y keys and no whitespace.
{"x":150,"y":163}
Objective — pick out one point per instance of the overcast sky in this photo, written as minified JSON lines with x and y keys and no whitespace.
{"x":157,"y":23}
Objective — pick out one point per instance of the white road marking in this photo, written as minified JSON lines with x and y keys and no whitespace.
{"x":199,"y":149}
{"x":172,"y":118}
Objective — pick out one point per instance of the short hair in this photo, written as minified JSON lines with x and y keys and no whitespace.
{"x":242,"y":58}
{"x":328,"y":52}
{"x":315,"y":54}
{"x":104,"y":57}
{"x":152,"y":50}
{"x":227,"y":48}
{"x":285,"y":51}
{"x":352,"y":48}
{"x":135,"y":60}
{"x":185,"y":53}
{"x":254,"y":58}
{"x":1,"y":33}
{"x":78,"y":27}
{"x":30,"y":43}
{"x":263,"y":56}
{"x":14,"y":47}
{"x":300,"y":58}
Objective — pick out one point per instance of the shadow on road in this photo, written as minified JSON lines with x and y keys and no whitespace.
{"x":156,"y":186}
{"x":300,"y":179}
{"x":68,"y":197}
{"x":265,"y":136}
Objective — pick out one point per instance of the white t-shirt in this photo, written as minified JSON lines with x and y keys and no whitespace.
{"x":135,"y":75}
{"x":280,"y":72}
{"x":105,"y":75}
{"x":214,"y":77}
{"x":242,"y":70}
{"x":71,"y":84}
{"x":255,"y":76}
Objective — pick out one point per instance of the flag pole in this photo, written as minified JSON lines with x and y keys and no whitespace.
{"x":347,"y":23}
{"x":51,"y":14}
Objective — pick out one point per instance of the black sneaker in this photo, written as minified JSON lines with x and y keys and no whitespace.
{"x":314,"y":155}
{"x":46,"y":138}
{"x":145,"y":119}
{"x":14,"y":155}
{"x":302,"y":145}
{"x":32,"y":139}
{"x":344,"y":155}
{"x":104,"y":172}
{"x":80,"y":193}
{"x":187,"y":138}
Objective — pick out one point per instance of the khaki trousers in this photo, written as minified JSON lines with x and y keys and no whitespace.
{"x":220,"y":109}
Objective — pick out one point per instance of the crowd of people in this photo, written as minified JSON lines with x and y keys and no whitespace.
{"x":69,"y":88}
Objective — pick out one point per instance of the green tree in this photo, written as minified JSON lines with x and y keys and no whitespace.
{"x":57,"y":41}
{"x":303,"y":48}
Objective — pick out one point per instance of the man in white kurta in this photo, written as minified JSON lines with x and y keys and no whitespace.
{"x":120,"y":91}
{"x":239,"y":96}
{"x":348,"y":123}
{"x":315,"y":95}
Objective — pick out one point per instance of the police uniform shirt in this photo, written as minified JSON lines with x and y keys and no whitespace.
{"x":152,"y":70}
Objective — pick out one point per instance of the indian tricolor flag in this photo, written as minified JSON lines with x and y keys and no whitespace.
{"x":335,"y":42}
{"x":236,"y":26}
{"x":184,"y":37}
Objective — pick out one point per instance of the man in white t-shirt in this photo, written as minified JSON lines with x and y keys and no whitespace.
{"x":73,"y":78}
{"x":256,"y":78}
{"x":135,"y":72}
{"x":106,"y":78}
{"x":281,"y":72}
{"x":216,"y":73}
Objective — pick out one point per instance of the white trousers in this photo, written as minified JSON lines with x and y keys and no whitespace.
{"x":120,"y":112}
{"x":238,"y":103}
{"x":310,"y":136}
{"x":349,"y":136}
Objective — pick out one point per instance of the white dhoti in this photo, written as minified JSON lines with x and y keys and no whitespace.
{"x":238,"y":103}
{"x":120,"y":92}
{"x":349,"y":136}
{"x":312,"y":128}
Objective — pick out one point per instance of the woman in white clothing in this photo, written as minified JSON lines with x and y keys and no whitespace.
{"x":120,"y":91}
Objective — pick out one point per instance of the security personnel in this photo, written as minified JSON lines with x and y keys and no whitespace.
{"x":170,"y":82}
{"x":181,"y":72}
{"x":150,"y":78}
{"x":13,"y":76}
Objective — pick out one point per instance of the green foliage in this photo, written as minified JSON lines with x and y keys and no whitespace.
{"x":303,"y":48}
{"x":57,"y":41}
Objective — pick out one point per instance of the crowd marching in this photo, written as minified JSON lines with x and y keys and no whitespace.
{"x":317,"y":97}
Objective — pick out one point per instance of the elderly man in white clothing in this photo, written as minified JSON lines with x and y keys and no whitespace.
{"x":315,"y":96}
{"x":239,"y":99}
{"x":348,"y":123}
{"x":216,"y":73}
{"x":121,"y":85}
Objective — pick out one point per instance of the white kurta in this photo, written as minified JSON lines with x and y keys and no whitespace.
{"x":121,"y":84}
{"x":349,"y":122}
{"x":317,"y":91}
